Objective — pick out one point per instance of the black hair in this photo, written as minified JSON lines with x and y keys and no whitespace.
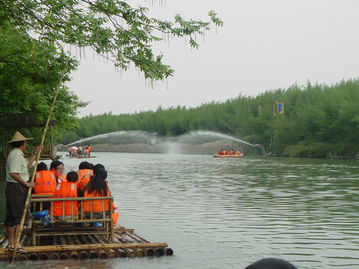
{"x":99,"y":165}
{"x":91,"y":166}
{"x":97,"y":183}
{"x":72,"y":176}
{"x":17,"y":144}
{"x":41,"y":167}
{"x":55,"y":164}
{"x":271,"y":263}
{"x":84,"y":165}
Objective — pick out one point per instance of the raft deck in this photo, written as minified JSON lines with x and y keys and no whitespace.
{"x":73,"y":237}
{"x":125,"y":244}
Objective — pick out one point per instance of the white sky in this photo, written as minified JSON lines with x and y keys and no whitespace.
{"x":264,"y":44}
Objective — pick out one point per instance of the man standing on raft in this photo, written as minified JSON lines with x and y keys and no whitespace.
{"x":17,"y":176}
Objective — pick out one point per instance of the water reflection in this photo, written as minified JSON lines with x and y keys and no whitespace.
{"x":227,"y":213}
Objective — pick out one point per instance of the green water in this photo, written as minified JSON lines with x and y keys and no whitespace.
{"x":228,"y":213}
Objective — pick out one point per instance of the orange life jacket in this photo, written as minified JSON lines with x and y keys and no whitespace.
{"x":97,"y":205}
{"x":59,"y":178}
{"x":66,"y":190}
{"x":45,"y":182}
{"x":84,"y":177}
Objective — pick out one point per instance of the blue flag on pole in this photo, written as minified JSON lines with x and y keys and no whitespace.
{"x":280,"y":107}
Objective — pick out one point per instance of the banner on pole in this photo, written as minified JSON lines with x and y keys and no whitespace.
{"x":280,"y":107}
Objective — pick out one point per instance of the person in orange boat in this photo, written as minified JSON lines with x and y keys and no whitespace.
{"x":231,"y":152}
{"x":238,"y":152}
{"x":67,"y":189}
{"x":89,"y":149}
{"x":224,"y":152}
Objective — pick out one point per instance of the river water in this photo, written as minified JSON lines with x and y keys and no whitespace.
{"x":228,"y":213}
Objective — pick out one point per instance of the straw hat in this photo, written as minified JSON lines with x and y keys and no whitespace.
{"x":18,"y":137}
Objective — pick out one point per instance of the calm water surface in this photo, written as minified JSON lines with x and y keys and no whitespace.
{"x":228,"y":213}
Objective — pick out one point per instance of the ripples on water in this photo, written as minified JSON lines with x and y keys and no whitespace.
{"x":228,"y":213}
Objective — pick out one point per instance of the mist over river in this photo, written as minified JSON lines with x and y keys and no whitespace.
{"x":228,"y":213}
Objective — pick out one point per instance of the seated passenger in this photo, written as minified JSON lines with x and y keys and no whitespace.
{"x":57,"y":168}
{"x":231,"y":152}
{"x":238,"y":152}
{"x":84,"y":174}
{"x":45,"y":184}
{"x":66,"y":189}
{"x":97,"y":187}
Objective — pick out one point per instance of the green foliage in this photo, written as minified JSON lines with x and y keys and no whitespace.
{"x":30,"y":72}
{"x":319,"y":121}
{"x":112,"y":28}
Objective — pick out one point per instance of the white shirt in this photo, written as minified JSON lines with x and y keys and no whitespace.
{"x":16,"y":163}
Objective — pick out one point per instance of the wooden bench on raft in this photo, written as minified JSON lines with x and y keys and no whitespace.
{"x":73,"y":224}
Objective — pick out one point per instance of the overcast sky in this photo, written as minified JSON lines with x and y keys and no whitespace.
{"x":264,"y":45}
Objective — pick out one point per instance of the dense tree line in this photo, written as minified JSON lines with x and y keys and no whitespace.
{"x":318,"y":120}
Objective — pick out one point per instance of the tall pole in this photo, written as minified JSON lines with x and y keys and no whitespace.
{"x":27,"y":202}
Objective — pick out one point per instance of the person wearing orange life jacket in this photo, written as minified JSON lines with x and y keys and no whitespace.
{"x":238,"y":152}
{"x":89,"y":148}
{"x":45,"y":184}
{"x":45,"y":181}
{"x":66,"y":189}
{"x":101,"y":166}
{"x":231,"y":152}
{"x":57,"y":168}
{"x":97,"y":187}
{"x":84,"y":173}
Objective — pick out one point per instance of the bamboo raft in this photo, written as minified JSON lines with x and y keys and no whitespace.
{"x":73,"y":238}
{"x":91,"y":246}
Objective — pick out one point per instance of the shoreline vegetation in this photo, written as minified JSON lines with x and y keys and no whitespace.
{"x":315,"y":121}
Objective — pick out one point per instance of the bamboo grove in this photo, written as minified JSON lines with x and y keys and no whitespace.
{"x":319,"y":121}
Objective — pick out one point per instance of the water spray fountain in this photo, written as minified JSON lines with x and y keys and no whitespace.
{"x":140,"y":141}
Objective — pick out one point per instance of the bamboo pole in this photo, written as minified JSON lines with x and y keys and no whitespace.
{"x":159,"y":252}
{"x":150,"y":252}
{"x":130,"y":253}
{"x":64,"y":255}
{"x":169,"y":251}
{"x":35,"y":249}
{"x":54,"y":256}
{"x":83,"y":255}
{"x":33,"y":256}
{"x":43,"y":256}
{"x":102,"y":254}
{"x":21,"y":225}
